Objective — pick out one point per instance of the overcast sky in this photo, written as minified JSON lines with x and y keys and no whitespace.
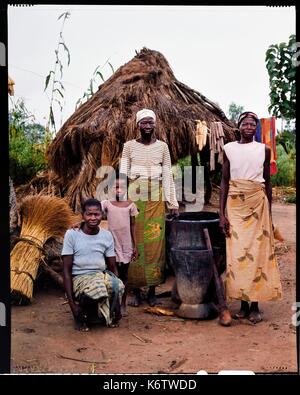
{"x":217,"y":50}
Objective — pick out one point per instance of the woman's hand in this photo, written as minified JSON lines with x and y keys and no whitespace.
{"x":174,"y":212}
{"x":134,"y":254}
{"x":224,"y":226}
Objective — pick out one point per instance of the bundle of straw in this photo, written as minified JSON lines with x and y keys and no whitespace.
{"x":43,"y":217}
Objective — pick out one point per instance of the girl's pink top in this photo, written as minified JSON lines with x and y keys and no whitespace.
{"x":118,"y":219}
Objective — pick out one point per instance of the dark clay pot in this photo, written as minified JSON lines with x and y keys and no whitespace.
{"x":191,"y":261}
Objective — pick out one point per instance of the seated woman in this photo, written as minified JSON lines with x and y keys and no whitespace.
{"x":90,"y":272}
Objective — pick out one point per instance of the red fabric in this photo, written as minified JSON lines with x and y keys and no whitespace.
{"x":273,"y":134}
{"x":268,"y":137}
{"x":273,"y":168}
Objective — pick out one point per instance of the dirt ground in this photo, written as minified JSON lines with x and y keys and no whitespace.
{"x":43,"y":338}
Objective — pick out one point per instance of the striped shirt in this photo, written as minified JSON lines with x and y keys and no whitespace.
{"x":151,"y":161}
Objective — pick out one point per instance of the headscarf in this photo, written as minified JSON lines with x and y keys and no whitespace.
{"x":248,"y":114}
{"x":144,"y":113}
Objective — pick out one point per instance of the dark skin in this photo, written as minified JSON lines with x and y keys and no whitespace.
{"x":247,"y":131}
{"x":92,"y":218}
{"x":147,"y":127}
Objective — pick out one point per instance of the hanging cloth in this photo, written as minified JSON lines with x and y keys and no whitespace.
{"x":266,"y":134}
{"x":216,"y":143}
{"x":201,"y":134}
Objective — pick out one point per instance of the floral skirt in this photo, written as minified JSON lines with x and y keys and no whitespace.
{"x":252,"y":272}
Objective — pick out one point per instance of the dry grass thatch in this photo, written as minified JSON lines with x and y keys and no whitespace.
{"x":13,"y":211}
{"x":43,"y":217}
{"x":94,"y":135}
{"x":44,"y":183}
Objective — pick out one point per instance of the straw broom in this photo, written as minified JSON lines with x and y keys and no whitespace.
{"x":43,"y":217}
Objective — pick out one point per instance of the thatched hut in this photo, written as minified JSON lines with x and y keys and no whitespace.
{"x":94,"y":135}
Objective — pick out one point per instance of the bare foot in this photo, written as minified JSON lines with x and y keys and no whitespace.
{"x":113,"y":325}
{"x":151,"y":300}
{"x":255,"y":317}
{"x":124,"y":311}
{"x":135,"y":302}
{"x":115,"y":321}
{"x":81,"y":326}
{"x":225,"y":318}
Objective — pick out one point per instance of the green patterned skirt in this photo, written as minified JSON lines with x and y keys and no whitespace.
{"x":148,"y":268}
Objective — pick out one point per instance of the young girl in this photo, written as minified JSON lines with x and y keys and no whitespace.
{"x":120,"y":215}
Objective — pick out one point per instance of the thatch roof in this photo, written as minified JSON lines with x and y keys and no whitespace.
{"x":94,"y":135}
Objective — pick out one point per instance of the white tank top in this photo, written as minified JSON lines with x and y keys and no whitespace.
{"x":246,"y":160}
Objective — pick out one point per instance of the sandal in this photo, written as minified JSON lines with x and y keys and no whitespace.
{"x":255,"y":317}
{"x":242,"y":314}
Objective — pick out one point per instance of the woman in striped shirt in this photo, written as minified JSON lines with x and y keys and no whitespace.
{"x":147,"y":163}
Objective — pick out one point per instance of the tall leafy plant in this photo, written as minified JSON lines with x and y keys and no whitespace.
{"x":96,"y":79}
{"x":26,"y":144}
{"x":286,"y":165}
{"x":53,"y":83}
{"x":282,"y":78}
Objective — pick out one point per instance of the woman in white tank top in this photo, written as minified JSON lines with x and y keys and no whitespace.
{"x":252,"y":273}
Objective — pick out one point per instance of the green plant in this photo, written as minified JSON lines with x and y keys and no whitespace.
{"x":26,"y":144}
{"x":184,"y":162}
{"x":57,"y":87}
{"x":286,"y":166}
{"x":287,"y":139}
{"x":234,"y":111}
{"x":282,"y":78}
{"x":94,"y":81}
{"x":291,"y":199}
